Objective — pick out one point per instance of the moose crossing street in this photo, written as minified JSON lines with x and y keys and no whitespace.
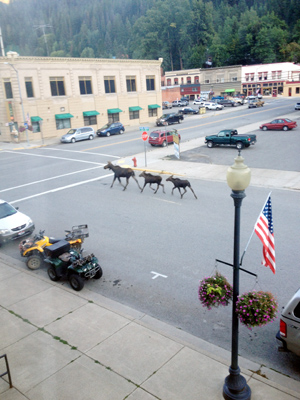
{"x":155,"y":248}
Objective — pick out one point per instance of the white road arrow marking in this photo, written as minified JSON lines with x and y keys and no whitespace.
{"x":156,"y":275}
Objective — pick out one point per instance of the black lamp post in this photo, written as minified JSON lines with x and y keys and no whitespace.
{"x":238,"y":179}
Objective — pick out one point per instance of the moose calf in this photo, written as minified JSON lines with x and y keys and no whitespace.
{"x":180,"y":184}
{"x":149,"y":178}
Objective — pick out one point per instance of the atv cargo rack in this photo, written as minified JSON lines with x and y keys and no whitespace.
{"x":79,"y":232}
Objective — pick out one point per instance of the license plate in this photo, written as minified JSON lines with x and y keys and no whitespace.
{"x":21,"y":233}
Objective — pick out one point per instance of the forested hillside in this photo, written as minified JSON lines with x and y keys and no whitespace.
{"x":184,"y":32}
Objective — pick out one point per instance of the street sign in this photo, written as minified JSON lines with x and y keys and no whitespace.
{"x":144,"y":136}
{"x":26,"y":125}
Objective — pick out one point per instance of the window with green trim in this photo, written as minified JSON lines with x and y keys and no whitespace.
{"x":134,"y":114}
{"x":92,"y":120}
{"x":152,"y":112}
{"x":57,"y":86}
{"x":85,"y":85}
{"x":109,"y":84}
{"x":63,"y":123}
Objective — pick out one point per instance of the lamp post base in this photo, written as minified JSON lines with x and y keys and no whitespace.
{"x":235,"y":386}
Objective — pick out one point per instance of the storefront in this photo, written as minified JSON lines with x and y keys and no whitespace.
{"x":266,"y":89}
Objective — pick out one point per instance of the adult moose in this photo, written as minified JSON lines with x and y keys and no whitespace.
{"x":180,"y":184}
{"x":155,"y":179}
{"x":121,"y":172}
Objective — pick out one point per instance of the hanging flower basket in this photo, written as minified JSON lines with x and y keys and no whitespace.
{"x":215,"y":291}
{"x":256,"y":308}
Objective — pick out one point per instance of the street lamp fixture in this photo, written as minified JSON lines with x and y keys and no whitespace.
{"x":238,"y":179}
{"x":21,"y":100}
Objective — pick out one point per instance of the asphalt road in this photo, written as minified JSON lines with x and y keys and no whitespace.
{"x":155,"y":249}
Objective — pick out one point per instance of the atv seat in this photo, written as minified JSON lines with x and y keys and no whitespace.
{"x":65,"y":257}
{"x":57,"y":249}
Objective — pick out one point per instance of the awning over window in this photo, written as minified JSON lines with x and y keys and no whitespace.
{"x":152,"y":106}
{"x":63,"y":116}
{"x":113,"y":110}
{"x":36,"y":119}
{"x":90,"y":113}
{"x":229,"y":90}
{"x":137,"y":108}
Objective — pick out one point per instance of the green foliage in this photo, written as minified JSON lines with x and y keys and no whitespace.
{"x":184,"y":32}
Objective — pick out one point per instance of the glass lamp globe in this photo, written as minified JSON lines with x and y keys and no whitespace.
{"x":238,"y":175}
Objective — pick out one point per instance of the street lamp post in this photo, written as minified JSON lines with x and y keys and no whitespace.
{"x":238,"y":179}
{"x":21,"y":100}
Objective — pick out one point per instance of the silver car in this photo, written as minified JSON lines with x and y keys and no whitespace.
{"x":289,"y":332}
{"x":76,"y":134}
{"x":13,"y":223}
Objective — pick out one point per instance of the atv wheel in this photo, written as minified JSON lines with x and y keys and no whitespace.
{"x":52,"y":274}
{"x":76,"y":282}
{"x":99,"y":273}
{"x":34,"y":262}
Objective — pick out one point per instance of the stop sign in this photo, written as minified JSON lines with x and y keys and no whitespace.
{"x":144,"y":136}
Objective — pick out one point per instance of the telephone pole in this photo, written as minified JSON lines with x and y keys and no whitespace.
{"x":45,"y":38}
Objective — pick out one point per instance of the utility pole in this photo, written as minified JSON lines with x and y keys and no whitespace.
{"x":45,"y":38}
{"x":1,"y":44}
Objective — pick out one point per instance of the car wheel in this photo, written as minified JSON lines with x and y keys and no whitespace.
{"x":179,"y":121}
{"x":99,"y":273}
{"x":152,"y":145}
{"x":76,"y":282}
{"x":91,"y":137}
{"x":52,"y":274}
{"x":107,"y":134}
{"x":121,"y":131}
{"x":164,"y":143}
{"x":34,"y":262}
{"x":285,"y":128}
{"x":73,"y":140}
{"x":210,"y":144}
{"x":264,"y":128}
{"x":239,"y":145}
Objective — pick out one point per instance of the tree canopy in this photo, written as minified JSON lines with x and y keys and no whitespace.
{"x":185,"y":33}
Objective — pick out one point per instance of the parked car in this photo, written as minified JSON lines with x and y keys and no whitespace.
{"x":176,"y":103}
{"x":283,"y":124}
{"x":255,"y":103}
{"x":166,"y":105}
{"x":227,"y":103}
{"x":297,"y":106}
{"x":162,"y":137}
{"x":217,"y":98}
{"x":188,"y":110}
{"x":168,"y":119}
{"x":183,"y":103}
{"x":289,"y":332}
{"x":215,"y":106}
{"x":185,"y":99}
{"x":198,"y":101}
{"x":114,"y":128}
{"x":13,"y":223}
{"x":238,"y":100}
{"x":76,"y":134}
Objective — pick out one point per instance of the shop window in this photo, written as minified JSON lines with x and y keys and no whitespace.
{"x":206,"y":81}
{"x":279,"y":74}
{"x":247,"y":77}
{"x":29,"y":88}
{"x":152,"y":112}
{"x":175,"y":81}
{"x":196,"y":79}
{"x":8,"y":89}
{"x":35,"y":127}
{"x":169,"y":82}
{"x":297,"y":90}
{"x":150,"y":82}
{"x":130,"y":83}
{"x":134,"y":114}
{"x":109,"y":84}
{"x":115,"y":117}
{"x":91,"y":120}
{"x":252,"y":77}
{"x":57,"y":87}
{"x":273,"y":74}
{"x":63,"y":123}
{"x":265,"y":75}
{"x":260,"y":76}
{"x":85,"y":85}
{"x":188,"y":79}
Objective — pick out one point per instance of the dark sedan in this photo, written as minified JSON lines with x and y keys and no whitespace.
{"x":188,"y":110}
{"x":283,"y":124}
{"x":227,"y":103}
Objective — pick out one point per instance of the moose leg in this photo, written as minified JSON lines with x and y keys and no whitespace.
{"x":156,"y":188}
{"x":163,"y":186}
{"x":179,"y":191}
{"x":122,"y":183}
{"x":136,"y":182}
{"x":183,"y":192}
{"x":143,"y":187}
{"x":113,"y":181}
{"x":151,"y":187}
{"x":193,"y":192}
{"x":127,"y":181}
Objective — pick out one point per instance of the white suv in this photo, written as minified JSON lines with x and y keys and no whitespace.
{"x":297,"y":106}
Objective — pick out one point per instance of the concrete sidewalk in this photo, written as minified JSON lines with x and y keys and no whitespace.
{"x":63,"y":344}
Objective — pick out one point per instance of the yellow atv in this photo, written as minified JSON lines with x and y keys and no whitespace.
{"x":33,"y":248}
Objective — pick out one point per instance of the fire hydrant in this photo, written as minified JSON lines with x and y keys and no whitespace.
{"x":134,"y":162}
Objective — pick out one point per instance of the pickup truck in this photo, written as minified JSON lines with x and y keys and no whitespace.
{"x":230,"y":137}
{"x":168,"y":119}
{"x":255,"y":103}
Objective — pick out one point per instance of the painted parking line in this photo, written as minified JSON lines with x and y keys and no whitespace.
{"x":80,"y":152}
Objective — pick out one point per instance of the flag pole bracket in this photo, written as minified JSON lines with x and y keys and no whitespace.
{"x":242,"y":269}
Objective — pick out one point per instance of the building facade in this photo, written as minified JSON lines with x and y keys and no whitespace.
{"x":51,"y":95}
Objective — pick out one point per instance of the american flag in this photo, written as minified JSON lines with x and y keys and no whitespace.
{"x":264,"y":230}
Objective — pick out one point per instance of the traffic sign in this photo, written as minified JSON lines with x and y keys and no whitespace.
{"x":144,"y":136}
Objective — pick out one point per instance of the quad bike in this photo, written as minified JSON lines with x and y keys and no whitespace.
{"x":33,"y":248}
{"x":69,"y":263}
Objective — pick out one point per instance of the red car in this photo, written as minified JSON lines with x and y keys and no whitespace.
{"x":283,"y":124}
{"x":161,"y":137}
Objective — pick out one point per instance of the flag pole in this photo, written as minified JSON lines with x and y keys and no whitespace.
{"x":253,"y":230}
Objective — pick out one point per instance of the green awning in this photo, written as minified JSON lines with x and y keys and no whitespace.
{"x":229,"y":90}
{"x":152,"y":106}
{"x":137,"y":108}
{"x":113,"y":111}
{"x":90,"y":113}
{"x":36,"y":119}
{"x":63,"y":116}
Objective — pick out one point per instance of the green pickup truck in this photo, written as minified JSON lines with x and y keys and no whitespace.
{"x":230,"y":137}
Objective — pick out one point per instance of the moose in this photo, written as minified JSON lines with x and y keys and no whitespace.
{"x":152,"y":179}
{"x":180,"y":184}
{"x":121,"y":172}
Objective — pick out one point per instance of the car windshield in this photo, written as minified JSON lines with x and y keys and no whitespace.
{"x":288,"y":120}
{"x":105,"y":126}
{"x":6,"y":210}
{"x":71,"y":131}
